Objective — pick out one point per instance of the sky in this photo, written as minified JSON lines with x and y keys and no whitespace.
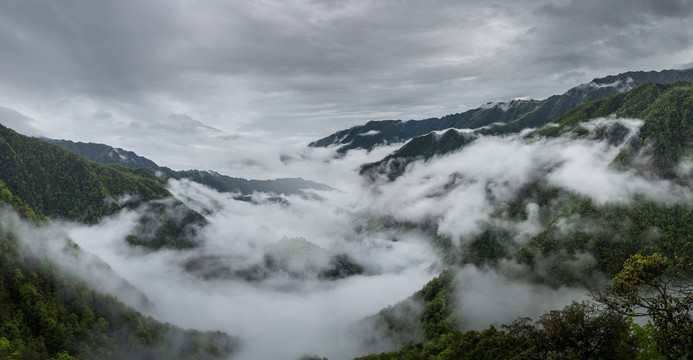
{"x":140,"y":74}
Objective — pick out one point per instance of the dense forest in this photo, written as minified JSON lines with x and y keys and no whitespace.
{"x":56,"y":182}
{"x":48,"y":315}
{"x":601,"y":328}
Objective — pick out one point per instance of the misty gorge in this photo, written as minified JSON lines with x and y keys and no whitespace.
{"x":423,"y":255}
{"x":313,"y":180}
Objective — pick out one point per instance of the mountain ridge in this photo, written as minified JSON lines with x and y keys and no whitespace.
{"x":57,"y":182}
{"x":524,"y":113}
{"x":106,"y":154}
{"x":426,"y":146}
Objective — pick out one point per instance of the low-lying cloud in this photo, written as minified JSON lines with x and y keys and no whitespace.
{"x":284,"y":306}
{"x":289,"y":311}
{"x":488,"y":296}
{"x":465,"y":189}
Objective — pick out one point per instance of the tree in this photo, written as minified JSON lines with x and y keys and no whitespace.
{"x":661,"y":289}
{"x":583,"y":330}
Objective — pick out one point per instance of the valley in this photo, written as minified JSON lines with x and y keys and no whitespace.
{"x":473,"y":235}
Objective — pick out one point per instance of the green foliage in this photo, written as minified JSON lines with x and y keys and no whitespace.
{"x":662,"y":290}
{"x":167,"y":223}
{"x":341,"y":266}
{"x":422,"y":147}
{"x":609,"y":233}
{"x":56,"y":182}
{"x":667,"y":110}
{"x":644,"y":337}
{"x":581,"y":330}
{"x":581,"y":239}
{"x":46,"y":315}
{"x":579,"y":104}
{"x":6,"y":197}
{"x":440,"y":314}
{"x":376,"y":133}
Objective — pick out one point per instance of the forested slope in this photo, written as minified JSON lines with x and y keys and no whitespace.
{"x":579,"y":242}
{"x":666,"y":135}
{"x":57,"y":182}
{"x":659,"y":104}
{"x":45,"y":314}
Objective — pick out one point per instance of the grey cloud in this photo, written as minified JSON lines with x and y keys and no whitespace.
{"x":313,"y":67}
{"x":18,"y":122}
{"x":611,"y":31}
{"x":83,"y":46}
{"x":489,"y":296}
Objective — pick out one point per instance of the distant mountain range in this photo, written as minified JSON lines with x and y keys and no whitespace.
{"x":105,"y":154}
{"x":438,"y":136}
{"x":514,"y":115}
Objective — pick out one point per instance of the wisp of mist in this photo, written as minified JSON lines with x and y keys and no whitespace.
{"x":285,"y":314}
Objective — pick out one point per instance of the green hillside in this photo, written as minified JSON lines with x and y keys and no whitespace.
{"x":664,"y":107}
{"x":419,"y":148}
{"x":580,"y":241}
{"x":667,"y":110}
{"x":375,"y":133}
{"x":45,"y":314}
{"x":58,"y":183}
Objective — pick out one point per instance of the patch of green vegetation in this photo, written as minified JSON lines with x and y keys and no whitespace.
{"x":47,"y":315}
{"x":56,"y":182}
{"x":667,"y":110}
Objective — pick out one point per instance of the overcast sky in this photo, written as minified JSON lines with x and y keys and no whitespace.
{"x":84,"y":69}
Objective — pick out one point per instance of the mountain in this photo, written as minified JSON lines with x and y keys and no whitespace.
{"x":59,"y":183}
{"x":664,"y":138}
{"x":105,"y":154}
{"x":578,"y":240}
{"x":655,"y":152}
{"x":49,"y":314}
{"x":421,"y":147}
{"x":516,"y":115}
{"x":383,"y":132}
{"x":223,"y":183}
{"x":533,"y":229}
{"x":424,"y":147}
